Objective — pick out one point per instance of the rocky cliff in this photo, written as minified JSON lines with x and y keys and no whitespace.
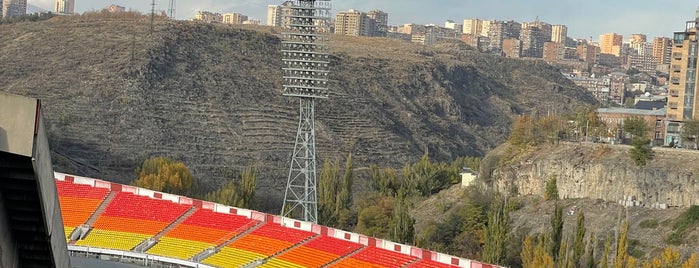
{"x":210,"y":96}
{"x":598,"y":171}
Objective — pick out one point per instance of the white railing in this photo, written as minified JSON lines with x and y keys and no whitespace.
{"x":127,"y":256}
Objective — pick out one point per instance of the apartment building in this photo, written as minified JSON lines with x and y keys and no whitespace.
{"x":113,"y":8}
{"x":274,"y":15}
{"x":13,"y":8}
{"x":559,"y":33}
{"x":234,"y":18}
{"x":662,"y":50}
{"x":554,"y":51}
{"x":472,"y":26}
{"x":512,"y":48}
{"x":65,"y":7}
{"x":380,"y":22}
{"x":208,"y":17}
{"x":354,"y":23}
{"x":611,"y":43}
{"x":501,"y":30}
{"x":682,"y":90}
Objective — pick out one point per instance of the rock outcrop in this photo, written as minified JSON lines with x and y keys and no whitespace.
{"x":598,"y":171}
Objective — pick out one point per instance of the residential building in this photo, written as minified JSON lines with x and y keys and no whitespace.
{"x":638,"y":38}
{"x":234,"y":18}
{"x":473,"y":26}
{"x":208,"y":17}
{"x":274,"y":15}
{"x":655,"y":119}
{"x":554,"y":51}
{"x":598,"y":87}
{"x":13,"y":8}
{"x":114,"y":8}
{"x":617,"y":87}
{"x":559,"y":33}
{"x":354,"y":23}
{"x":662,"y":50}
{"x":485,"y":27}
{"x":450,"y":24}
{"x":682,"y":90}
{"x":501,"y":30}
{"x":610,"y":43}
{"x":512,"y":48}
{"x":642,"y":59}
{"x":65,"y":6}
{"x":533,"y":36}
{"x":380,"y":20}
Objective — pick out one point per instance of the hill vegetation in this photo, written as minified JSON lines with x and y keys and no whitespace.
{"x":209,"y":96}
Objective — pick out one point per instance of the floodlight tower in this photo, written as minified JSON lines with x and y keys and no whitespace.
{"x":305,"y":57}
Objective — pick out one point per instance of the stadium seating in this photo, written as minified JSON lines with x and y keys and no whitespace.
{"x":232,"y":257}
{"x":201,"y":230}
{"x":318,"y":252}
{"x":130,"y":219}
{"x":78,"y":202}
{"x":112,"y":240}
{"x":381,"y":257}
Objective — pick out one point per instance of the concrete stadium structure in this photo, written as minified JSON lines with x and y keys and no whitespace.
{"x":31,"y":229}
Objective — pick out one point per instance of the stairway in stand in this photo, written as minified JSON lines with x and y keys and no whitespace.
{"x":100,"y":209}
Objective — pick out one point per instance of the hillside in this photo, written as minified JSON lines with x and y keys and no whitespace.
{"x":210,"y":96}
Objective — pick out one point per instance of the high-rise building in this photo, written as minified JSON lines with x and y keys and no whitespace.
{"x":501,"y":30}
{"x":587,"y":53}
{"x":638,"y":38}
{"x":485,"y":27}
{"x":14,"y":8}
{"x":682,"y":99}
{"x":533,"y":36}
{"x":274,"y":15}
{"x":65,"y":6}
{"x":554,"y":51}
{"x":380,"y":19}
{"x":473,"y":26}
{"x":353,"y":23}
{"x":450,"y":24}
{"x":234,"y":18}
{"x":610,"y":43}
{"x":559,"y":33}
{"x":512,"y":48}
{"x":662,"y":49}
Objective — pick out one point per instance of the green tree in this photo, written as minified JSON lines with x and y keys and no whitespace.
{"x":344,"y":197}
{"x":579,"y":242}
{"x":522,"y":132}
{"x":166,"y":175}
{"x":690,"y":132}
{"x":556,"y":231}
{"x":604,"y":261}
{"x":590,"y":259}
{"x":402,"y":224}
{"x":527,"y":254}
{"x":551,"y":191}
{"x":238,"y":192}
{"x":497,"y":233}
{"x":635,"y":126}
{"x":328,"y":187}
{"x":640,"y":152}
{"x":622,"y":246}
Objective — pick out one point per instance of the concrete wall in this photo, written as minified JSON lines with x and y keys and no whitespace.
{"x":43,"y":170}
{"x":17,"y":136}
{"x":8,"y":251}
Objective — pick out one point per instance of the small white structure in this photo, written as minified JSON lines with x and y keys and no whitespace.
{"x":467,"y":177}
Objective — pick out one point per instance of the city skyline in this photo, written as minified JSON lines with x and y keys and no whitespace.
{"x":588,"y":19}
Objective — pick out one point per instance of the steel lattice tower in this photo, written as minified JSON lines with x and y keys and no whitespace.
{"x":305,"y":57}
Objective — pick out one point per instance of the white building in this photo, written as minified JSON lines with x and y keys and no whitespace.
{"x":65,"y":7}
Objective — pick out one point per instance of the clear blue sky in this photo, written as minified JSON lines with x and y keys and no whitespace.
{"x":584,"y":18}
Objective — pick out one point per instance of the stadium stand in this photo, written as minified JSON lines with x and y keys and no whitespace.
{"x":204,"y":234}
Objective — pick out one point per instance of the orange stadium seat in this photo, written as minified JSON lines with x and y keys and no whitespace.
{"x":353,"y":263}
{"x":260,"y":244}
{"x":383,"y":257}
{"x":333,"y":245}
